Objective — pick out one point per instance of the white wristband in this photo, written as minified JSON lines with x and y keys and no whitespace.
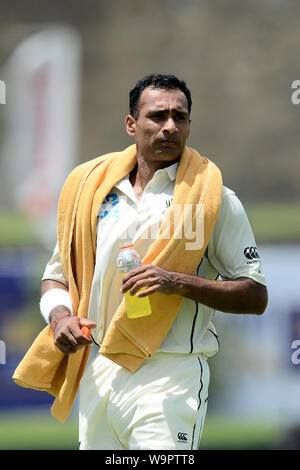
{"x":53,"y":298}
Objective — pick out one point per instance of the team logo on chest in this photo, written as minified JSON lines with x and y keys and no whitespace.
{"x":108,"y":208}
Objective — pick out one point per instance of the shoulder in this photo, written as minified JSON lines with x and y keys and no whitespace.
{"x":93,"y":163}
{"x":81,"y":172}
{"x":231,"y":206}
{"x":227,"y":193}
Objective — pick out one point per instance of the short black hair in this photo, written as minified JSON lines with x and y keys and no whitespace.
{"x":155,"y":80}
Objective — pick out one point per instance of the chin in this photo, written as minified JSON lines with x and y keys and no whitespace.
{"x":167,"y":154}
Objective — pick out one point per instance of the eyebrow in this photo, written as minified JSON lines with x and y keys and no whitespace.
{"x":166,"y":110}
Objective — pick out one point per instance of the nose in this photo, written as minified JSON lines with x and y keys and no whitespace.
{"x":170,"y":126}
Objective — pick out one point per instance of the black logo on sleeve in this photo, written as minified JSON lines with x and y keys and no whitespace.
{"x":251,"y":253}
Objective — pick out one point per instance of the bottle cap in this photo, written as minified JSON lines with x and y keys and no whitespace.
{"x":126,"y":244}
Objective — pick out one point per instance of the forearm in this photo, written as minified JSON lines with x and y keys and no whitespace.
{"x":48,"y":284}
{"x":242,"y":295}
{"x":60,"y":310}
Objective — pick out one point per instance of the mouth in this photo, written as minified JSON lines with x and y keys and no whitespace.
{"x":168,"y":143}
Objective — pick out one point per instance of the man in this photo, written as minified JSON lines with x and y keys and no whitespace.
{"x":160,"y":403}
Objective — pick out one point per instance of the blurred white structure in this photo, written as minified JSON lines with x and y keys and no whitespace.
{"x":41,"y":140}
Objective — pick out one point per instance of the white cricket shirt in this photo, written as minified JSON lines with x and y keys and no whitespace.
{"x":231,"y":253}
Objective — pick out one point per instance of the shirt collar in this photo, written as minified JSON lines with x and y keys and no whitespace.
{"x":170,"y":171}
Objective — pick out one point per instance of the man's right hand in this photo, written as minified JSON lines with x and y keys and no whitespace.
{"x":67,"y":330}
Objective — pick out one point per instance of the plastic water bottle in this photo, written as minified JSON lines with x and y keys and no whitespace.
{"x":128,"y":259}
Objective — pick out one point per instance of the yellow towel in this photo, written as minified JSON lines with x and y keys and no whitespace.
{"x":127,"y":342}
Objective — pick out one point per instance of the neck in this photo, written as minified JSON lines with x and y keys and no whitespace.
{"x":143,"y":173}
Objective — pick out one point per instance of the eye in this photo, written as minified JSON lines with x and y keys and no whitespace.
{"x":156,"y":116}
{"x":180,"y":117}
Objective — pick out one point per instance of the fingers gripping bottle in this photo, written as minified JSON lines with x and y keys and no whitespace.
{"x":128,"y":259}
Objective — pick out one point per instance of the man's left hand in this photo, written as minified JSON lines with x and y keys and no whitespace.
{"x":151,"y":277}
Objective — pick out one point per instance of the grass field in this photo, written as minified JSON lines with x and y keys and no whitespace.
{"x":34,"y":430}
{"x":274,"y":222}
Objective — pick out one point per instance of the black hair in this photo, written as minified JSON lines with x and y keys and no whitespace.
{"x":155,"y":80}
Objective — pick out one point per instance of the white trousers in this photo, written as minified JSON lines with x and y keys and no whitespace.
{"x":161,"y":406}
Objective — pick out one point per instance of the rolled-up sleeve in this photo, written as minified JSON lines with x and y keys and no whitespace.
{"x":54,"y":270}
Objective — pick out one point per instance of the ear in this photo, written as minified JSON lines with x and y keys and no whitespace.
{"x":130,"y":125}
{"x":189,"y":131}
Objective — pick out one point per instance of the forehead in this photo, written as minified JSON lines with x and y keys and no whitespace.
{"x":159,"y":98}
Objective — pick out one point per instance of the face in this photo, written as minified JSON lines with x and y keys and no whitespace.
{"x":162,"y":126}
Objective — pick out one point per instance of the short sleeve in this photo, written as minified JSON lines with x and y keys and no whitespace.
{"x":232,"y":249}
{"x":54,"y":270}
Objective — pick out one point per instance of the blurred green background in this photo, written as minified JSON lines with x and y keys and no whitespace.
{"x":239,"y":60}
{"x":35,"y":430}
